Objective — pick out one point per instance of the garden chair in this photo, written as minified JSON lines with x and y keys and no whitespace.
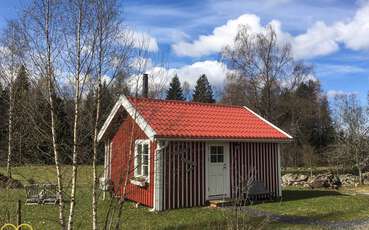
{"x":41,"y":194}
{"x":32,"y":194}
{"x":49,"y":194}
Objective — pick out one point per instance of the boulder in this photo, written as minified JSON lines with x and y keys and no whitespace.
{"x":7,"y":182}
{"x":318,"y":184}
{"x":349,"y":179}
{"x":366,"y":178}
{"x":325,"y":181}
{"x":294,"y":179}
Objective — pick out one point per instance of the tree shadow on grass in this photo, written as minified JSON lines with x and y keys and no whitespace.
{"x":291,"y":195}
{"x":321,"y":219}
{"x":299,"y":194}
{"x":229,"y":223}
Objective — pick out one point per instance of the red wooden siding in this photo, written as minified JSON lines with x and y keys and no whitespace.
{"x":184,"y":170}
{"x":184,"y":175}
{"x":120,"y":157}
{"x":258,"y":160}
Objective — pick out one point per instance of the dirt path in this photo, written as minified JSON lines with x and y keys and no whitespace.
{"x":353,"y":224}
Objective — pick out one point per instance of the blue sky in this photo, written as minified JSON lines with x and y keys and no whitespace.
{"x":333,"y":35}
{"x":343,"y":69}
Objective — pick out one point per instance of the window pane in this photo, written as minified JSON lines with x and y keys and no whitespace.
{"x":213,"y":158}
{"x":213,"y":150}
{"x":216,"y":154}
{"x":145,"y":159}
{"x":139,"y":149}
{"x":145,"y":149}
{"x":220,"y":158}
{"x":220,"y":149}
{"x":138,"y":170}
{"x":139,"y":160}
{"x":145,"y":170}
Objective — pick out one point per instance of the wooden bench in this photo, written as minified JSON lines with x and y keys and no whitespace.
{"x":41,"y":194}
{"x":257,"y":188}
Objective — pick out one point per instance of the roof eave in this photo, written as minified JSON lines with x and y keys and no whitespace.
{"x":288,"y":136}
{"x":216,"y":139}
{"x":133,"y":112}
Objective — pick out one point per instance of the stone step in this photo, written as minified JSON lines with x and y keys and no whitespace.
{"x":220,"y":203}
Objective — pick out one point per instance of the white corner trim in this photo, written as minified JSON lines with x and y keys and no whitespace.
{"x":136,"y":116}
{"x":269,"y":123}
{"x":279,"y":171}
{"x":159,"y":175}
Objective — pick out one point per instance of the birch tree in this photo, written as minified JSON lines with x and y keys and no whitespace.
{"x":79,"y":40}
{"x":112,"y":54}
{"x":40,"y":30}
{"x":264,"y":64}
{"x":352,"y":119}
{"x":11,"y":54}
{"x":136,"y":63}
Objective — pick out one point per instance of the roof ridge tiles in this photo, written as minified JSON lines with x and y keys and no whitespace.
{"x":184,"y":102}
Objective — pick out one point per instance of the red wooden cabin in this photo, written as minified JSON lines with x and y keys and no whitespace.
{"x":182,"y":154}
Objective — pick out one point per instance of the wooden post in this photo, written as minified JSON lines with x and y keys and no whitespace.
{"x":19,"y":213}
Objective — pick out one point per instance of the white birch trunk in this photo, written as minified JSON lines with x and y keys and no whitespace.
{"x":74,"y":157}
{"x":95,"y":179}
{"x":76,"y":120}
{"x":51,"y":91}
{"x":56,"y":157}
{"x":10,"y":131}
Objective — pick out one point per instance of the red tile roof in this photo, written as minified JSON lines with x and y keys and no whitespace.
{"x":178,"y":119}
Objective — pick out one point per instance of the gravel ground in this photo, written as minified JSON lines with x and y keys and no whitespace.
{"x":353,"y":224}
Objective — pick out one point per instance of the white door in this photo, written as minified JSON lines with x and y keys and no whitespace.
{"x":218,"y":171}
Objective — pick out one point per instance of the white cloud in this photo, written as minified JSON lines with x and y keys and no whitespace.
{"x":320,"y":39}
{"x":333,"y":69}
{"x":141,"y":64}
{"x":141,"y":40}
{"x":168,"y":35}
{"x":160,"y":76}
{"x":214,"y":70}
{"x":220,"y":37}
{"x":334,"y":93}
{"x":355,"y":33}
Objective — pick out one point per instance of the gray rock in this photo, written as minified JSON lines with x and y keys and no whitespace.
{"x":349,"y":179}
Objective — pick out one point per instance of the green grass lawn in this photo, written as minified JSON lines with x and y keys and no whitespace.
{"x":45,"y":216}
{"x":318,"y":204}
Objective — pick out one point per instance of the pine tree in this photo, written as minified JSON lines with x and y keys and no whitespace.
{"x":324,"y":133}
{"x":203,"y":91}
{"x":119,"y":85}
{"x":3,"y":122}
{"x":21,"y":83}
{"x":23,"y":129}
{"x":175,"y":91}
{"x":41,"y":115}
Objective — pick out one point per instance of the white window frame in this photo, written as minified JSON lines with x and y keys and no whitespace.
{"x":142,"y":142}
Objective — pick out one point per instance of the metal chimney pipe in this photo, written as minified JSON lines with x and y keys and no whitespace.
{"x":145,"y":85}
